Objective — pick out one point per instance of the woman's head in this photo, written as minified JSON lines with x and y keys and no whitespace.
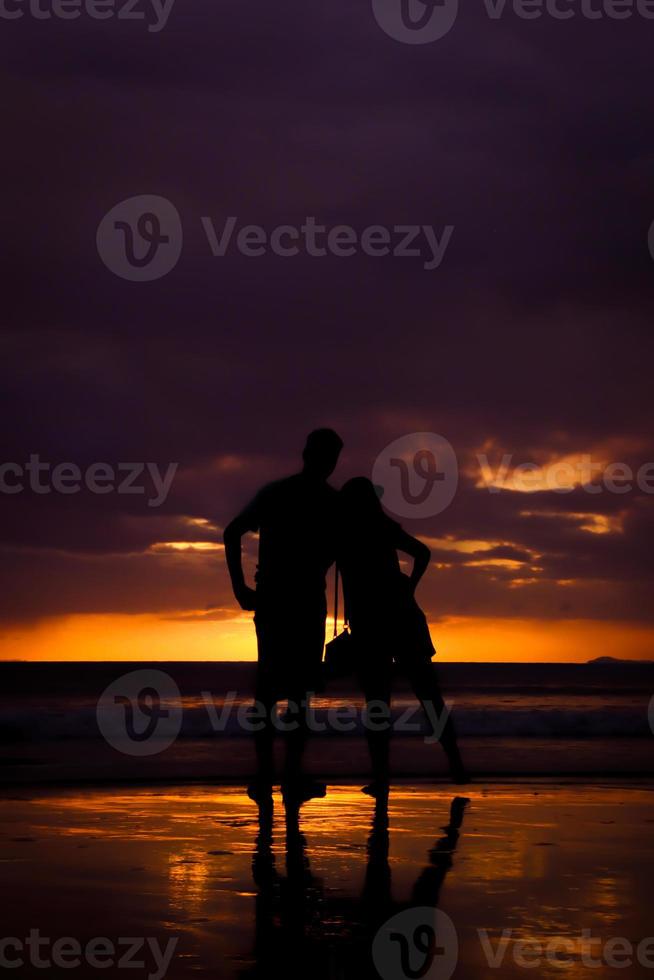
{"x":360,"y":501}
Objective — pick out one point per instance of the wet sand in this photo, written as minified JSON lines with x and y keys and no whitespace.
{"x":244,"y":891}
{"x":232,"y":760}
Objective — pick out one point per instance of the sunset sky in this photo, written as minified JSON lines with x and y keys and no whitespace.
{"x":533,"y":338}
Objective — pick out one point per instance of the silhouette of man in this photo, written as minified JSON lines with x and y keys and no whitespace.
{"x":296,"y":521}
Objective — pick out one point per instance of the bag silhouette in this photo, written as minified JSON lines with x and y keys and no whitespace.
{"x":340,"y":653}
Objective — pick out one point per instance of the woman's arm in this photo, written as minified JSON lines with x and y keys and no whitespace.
{"x":418,"y":551}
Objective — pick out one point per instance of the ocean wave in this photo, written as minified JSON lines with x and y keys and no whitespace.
{"x":34,"y":724}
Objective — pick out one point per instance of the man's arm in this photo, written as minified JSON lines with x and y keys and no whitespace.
{"x":245,"y":522}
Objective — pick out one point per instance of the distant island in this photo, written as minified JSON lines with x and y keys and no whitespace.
{"x":618,"y":660}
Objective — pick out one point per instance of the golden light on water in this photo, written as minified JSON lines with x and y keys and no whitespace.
{"x":524,"y":863}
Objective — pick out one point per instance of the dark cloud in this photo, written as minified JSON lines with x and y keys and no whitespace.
{"x":535,"y":333}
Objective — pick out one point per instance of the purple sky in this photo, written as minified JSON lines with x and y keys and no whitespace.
{"x":532,"y":138}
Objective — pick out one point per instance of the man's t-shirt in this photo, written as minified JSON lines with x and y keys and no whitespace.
{"x":296,"y":521}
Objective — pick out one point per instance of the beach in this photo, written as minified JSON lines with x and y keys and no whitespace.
{"x":111,"y":834}
{"x":562,"y":864}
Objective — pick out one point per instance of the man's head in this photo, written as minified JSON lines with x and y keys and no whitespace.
{"x":321,"y":453}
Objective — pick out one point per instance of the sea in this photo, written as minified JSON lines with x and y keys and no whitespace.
{"x":545,"y":715}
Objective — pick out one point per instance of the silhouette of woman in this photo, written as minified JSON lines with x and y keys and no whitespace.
{"x":386,"y":622}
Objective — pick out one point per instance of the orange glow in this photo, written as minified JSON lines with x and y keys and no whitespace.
{"x":495,"y":563}
{"x":539,"y":469}
{"x":201,"y":522}
{"x":463,"y":545}
{"x":140,"y":637}
{"x":544,"y":641}
{"x":161,"y":547}
{"x":557,"y":474}
{"x":593,"y":523}
{"x":188,"y":637}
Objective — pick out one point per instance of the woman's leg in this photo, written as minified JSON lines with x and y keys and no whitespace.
{"x":425,"y":685}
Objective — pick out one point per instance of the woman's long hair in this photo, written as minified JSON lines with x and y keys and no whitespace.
{"x":361,"y":509}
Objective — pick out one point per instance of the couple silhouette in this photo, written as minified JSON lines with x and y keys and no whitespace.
{"x":304,"y":527}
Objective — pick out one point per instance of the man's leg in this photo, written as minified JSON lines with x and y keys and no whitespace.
{"x":296,"y":736}
{"x":264,"y":694}
{"x":304,"y":668}
{"x":377,"y":693}
{"x":296,"y":786}
{"x":264,"y":739}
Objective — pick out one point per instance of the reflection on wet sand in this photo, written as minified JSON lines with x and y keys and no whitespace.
{"x":317,"y":933}
{"x":244,"y":891}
